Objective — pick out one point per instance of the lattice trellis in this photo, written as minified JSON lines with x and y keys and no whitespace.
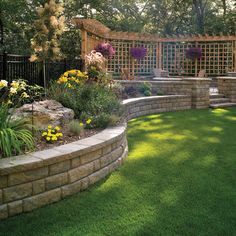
{"x":123,"y":60}
{"x":218,"y":52}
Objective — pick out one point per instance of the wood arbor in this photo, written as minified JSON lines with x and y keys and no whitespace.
{"x":218,"y":52}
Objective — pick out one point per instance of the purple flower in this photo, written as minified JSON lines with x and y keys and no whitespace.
{"x":193,"y":53}
{"x":138,"y":52}
{"x":105,"y":49}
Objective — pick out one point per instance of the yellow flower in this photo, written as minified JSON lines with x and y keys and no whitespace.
{"x":66,"y":74}
{"x":3,"y":83}
{"x":88,"y":121}
{"x":57,"y":128}
{"x":44,"y":134}
{"x":15,"y":84}
{"x":69,"y":85}
{"x":48,"y":138}
{"x":81,"y":124}
{"x":49,"y":127}
{"x":54,"y":138}
{"x":60,"y":135}
{"x":24,"y":95}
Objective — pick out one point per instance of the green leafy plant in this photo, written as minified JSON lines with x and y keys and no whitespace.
{"x":15,"y":136}
{"x":146,"y":89}
{"x":76,"y":127}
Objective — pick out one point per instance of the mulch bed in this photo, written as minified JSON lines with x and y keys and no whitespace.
{"x":68,"y":137}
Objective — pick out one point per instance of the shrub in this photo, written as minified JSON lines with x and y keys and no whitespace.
{"x":75,"y":127}
{"x":102,"y":120}
{"x":87,"y":100}
{"x":146,"y":89}
{"x":19,"y":92}
{"x":15,"y":136}
{"x":130,"y":91}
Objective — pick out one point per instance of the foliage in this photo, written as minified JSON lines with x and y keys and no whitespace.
{"x":76,"y":127}
{"x":105,"y":49}
{"x":18,"y":92}
{"x":52,"y":134}
{"x":72,"y":78}
{"x":130,"y":91}
{"x":88,"y":100}
{"x":146,"y":89}
{"x":15,"y":137}
{"x":49,"y":27}
{"x":193,"y":53}
{"x":95,"y":60}
{"x":138,"y":53}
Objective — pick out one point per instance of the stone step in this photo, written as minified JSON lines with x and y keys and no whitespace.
{"x":222,"y":105}
{"x":213,"y":96}
{"x":219,"y":100}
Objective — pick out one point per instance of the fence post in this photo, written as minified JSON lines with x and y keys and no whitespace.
{"x":5,"y":66}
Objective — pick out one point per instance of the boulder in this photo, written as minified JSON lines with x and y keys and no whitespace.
{"x":44,"y":113}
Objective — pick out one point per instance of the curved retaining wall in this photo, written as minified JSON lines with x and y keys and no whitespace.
{"x":30,"y":181}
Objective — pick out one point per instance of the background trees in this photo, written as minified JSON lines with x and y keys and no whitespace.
{"x":163,"y":17}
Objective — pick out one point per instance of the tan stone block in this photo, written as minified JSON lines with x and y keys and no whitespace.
{"x":95,"y":177}
{"x":71,"y":189}
{"x":42,"y":199}
{"x":107,"y":159}
{"x":84,"y":183}
{"x":91,"y":156}
{"x":80,"y":172}
{"x":27,"y":176}
{"x":59,"y":167}
{"x":3,"y":181}
{"x":96,"y":165}
{"x":56,"y":181}
{"x":1,"y":197}
{"x":75,"y":162}
{"x":15,"y":208}
{"x":17,"y":192}
{"x":3,"y":212}
{"x":106,"y":149}
{"x":38,"y":186}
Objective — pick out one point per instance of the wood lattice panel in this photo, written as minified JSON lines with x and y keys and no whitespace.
{"x":122,"y":58}
{"x":217,"y":58}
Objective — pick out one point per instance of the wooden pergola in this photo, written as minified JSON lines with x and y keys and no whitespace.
{"x":218,"y":51}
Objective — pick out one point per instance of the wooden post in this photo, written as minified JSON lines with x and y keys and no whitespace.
{"x":160,"y":56}
{"x":4,"y":66}
{"x":133,"y":64}
{"x":84,"y":40}
{"x":235,"y":55}
{"x":196,"y":61}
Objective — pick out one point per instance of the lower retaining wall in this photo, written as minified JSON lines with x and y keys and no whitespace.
{"x":31,"y":181}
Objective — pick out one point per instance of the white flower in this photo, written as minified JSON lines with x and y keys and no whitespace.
{"x":13,"y":90}
{"x":3,"y":83}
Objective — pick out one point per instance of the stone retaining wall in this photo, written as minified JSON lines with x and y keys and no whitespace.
{"x":34,"y":180}
{"x":227,"y":87}
{"x":197,"y":88}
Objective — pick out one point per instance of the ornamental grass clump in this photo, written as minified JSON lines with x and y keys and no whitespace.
{"x":15,"y":135}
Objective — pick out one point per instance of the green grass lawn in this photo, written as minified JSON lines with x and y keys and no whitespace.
{"x":179,"y":179}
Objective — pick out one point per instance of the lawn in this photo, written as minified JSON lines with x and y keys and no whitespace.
{"x":179,"y":179}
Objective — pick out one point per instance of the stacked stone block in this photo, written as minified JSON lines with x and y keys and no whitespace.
{"x":227,"y":87}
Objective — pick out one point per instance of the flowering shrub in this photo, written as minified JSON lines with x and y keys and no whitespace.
{"x":52,"y":134}
{"x":138,"y":53}
{"x":19,"y":92}
{"x":105,"y":49}
{"x":72,"y":78}
{"x":193,"y":53}
{"x":96,"y":60}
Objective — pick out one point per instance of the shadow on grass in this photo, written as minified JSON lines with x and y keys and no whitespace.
{"x":179,"y":179}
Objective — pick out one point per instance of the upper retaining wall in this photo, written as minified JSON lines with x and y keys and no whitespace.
{"x":39,"y":178}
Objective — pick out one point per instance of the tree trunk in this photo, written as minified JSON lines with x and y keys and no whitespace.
{"x":199,"y":7}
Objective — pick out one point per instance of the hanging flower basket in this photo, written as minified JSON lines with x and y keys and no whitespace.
{"x":105,"y":49}
{"x":138,"y":53}
{"x":193,"y":53}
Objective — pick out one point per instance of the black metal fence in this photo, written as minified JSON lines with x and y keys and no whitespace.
{"x":13,"y":67}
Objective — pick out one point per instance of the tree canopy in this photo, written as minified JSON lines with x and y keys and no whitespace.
{"x":163,"y":17}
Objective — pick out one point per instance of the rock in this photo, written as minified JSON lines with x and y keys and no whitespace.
{"x":44,"y":113}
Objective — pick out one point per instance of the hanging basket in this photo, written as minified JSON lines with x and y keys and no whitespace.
{"x":193,"y":53}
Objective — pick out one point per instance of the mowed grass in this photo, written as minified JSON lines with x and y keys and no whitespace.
{"x":179,"y":179}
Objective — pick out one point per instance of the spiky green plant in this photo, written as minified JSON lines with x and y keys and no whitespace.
{"x":15,"y":136}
